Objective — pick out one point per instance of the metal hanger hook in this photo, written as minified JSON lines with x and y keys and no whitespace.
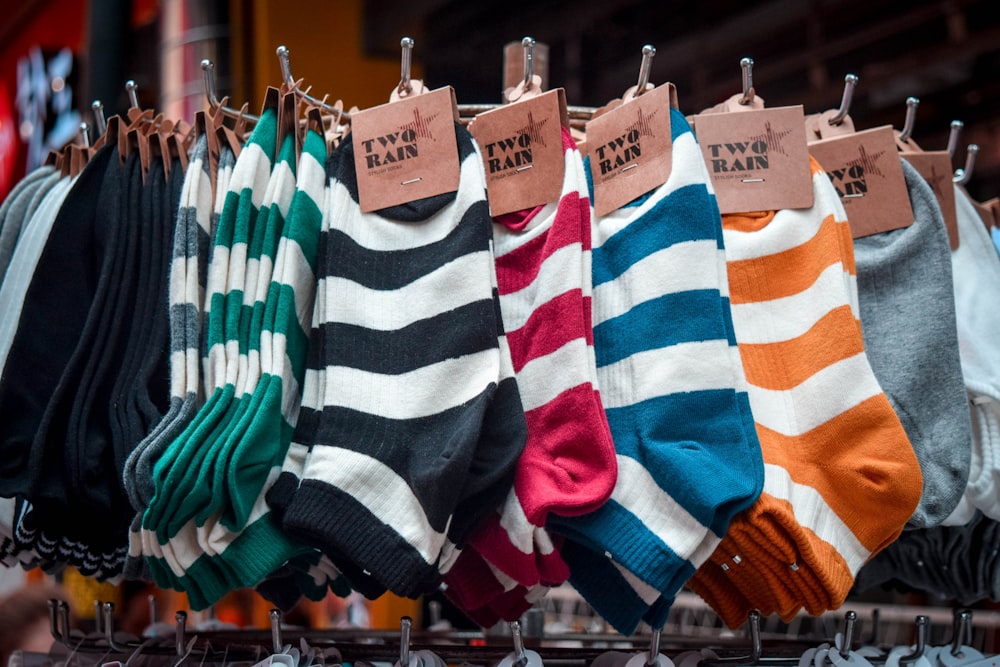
{"x":529,"y":60}
{"x":850,"y":618}
{"x":963,"y":618}
{"x":133,"y":99}
{"x":101,"y":124}
{"x":746,"y":65}
{"x":180,"y":631}
{"x":276,"y":640}
{"x":850,"y":82}
{"x":286,"y":68}
{"x":654,"y":647}
{"x":962,"y":176}
{"x":648,"y":51}
{"x":57,"y":634}
{"x":520,"y":658}
{"x":923,"y":624}
{"x":956,"y":129}
{"x":911,"y":119}
{"x":109,"y":627}
{"x":208,"y":68}
{"x":405,"y":626}
{"x":406,"y":65}
{"x":284,"y":60}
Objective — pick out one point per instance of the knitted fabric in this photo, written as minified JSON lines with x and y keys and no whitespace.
{"x":421,"y":424}
{"x":671,"y":385}
{"x":841,"y":479}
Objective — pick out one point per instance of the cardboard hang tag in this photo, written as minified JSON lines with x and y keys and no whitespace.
{"x":984,"y":209}
{"x":821,"y":126}
{"x":630,"y":148}
{"x":935,"y":167}
{"x":406,"y":150}
{"x":521,"y":146}
{"x":733,"y":104}
{"x":758,"y":159}
{"x":864,"y":168}
{"x":994,"y":208}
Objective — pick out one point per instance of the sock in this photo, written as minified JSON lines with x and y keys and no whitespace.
{"x":34,"y":203}
{"x":182,"y":473}
{"x":206,"y":436}
{"x":980,"y":492}
{"x":508,"y":600}
{"x":185,"y":294}
{"x":908,"y":322}
{"x":48,"y":396}
{"x":771,"y":576}
{"x":212,"y":575}
{"x":834,"y":451}
{"x":195,"y":195}
{"x":229,"y":500}
{"x":975,"y":269}
{"x":140,"y":397}
{"x":472,"y":583}
{"x":23,"y":263}
{"x":568,"y":465}
{"x":200,"y":220}
{"x":409,"y":302}
{"x":80,"y":407}
{"x":303,"y":358}
{"x":314,"y":376}
{"x":670,"y":393}
{"x":49,"y":285}
{"x":92,"y":429}
{"x":259,"y":428}
{"x":144,"y":303}
{"x":952,"y":562}
{"x":14,"y":212}
{"x":256,"y":547}
{"x":170,"y":541}
{"x":150,"y":388}
{"x":196,"y":302}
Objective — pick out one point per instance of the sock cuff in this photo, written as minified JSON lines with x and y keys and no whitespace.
{"x":471,"y":583}
{"x":824,"y":544}
{"x":615,"y":595}
{"x":322,"y":515}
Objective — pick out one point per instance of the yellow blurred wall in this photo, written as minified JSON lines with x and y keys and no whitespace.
{"x":324,"y":39}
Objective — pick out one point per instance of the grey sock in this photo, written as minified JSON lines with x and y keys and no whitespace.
{"x":908,"y":320}
{"x":14,"y":212}
{"x":190,"y":246}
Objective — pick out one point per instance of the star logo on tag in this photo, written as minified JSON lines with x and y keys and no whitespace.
{"x":772,"y":140}
{"x":533,"y":130}
{"x":420,"y":126}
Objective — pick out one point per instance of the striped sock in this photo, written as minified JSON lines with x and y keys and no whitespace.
{"x":840,"y":477}
{"x":303,"y":358}
{"x":186,"y":287}
{"x":414,"y":413}
{"x":208,"y":215}
{"x":568,"y":466}
{"x":669,"y":382}
{"x":180,"y":475}
{"x":257,"y":546}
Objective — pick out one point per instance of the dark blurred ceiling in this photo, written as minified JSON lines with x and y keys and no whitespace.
{"x":946,"y":53}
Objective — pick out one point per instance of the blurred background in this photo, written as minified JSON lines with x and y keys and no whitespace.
{"x":58,"y":56}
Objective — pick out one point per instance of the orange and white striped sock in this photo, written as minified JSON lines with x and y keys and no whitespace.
{"x":841,"y":478}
